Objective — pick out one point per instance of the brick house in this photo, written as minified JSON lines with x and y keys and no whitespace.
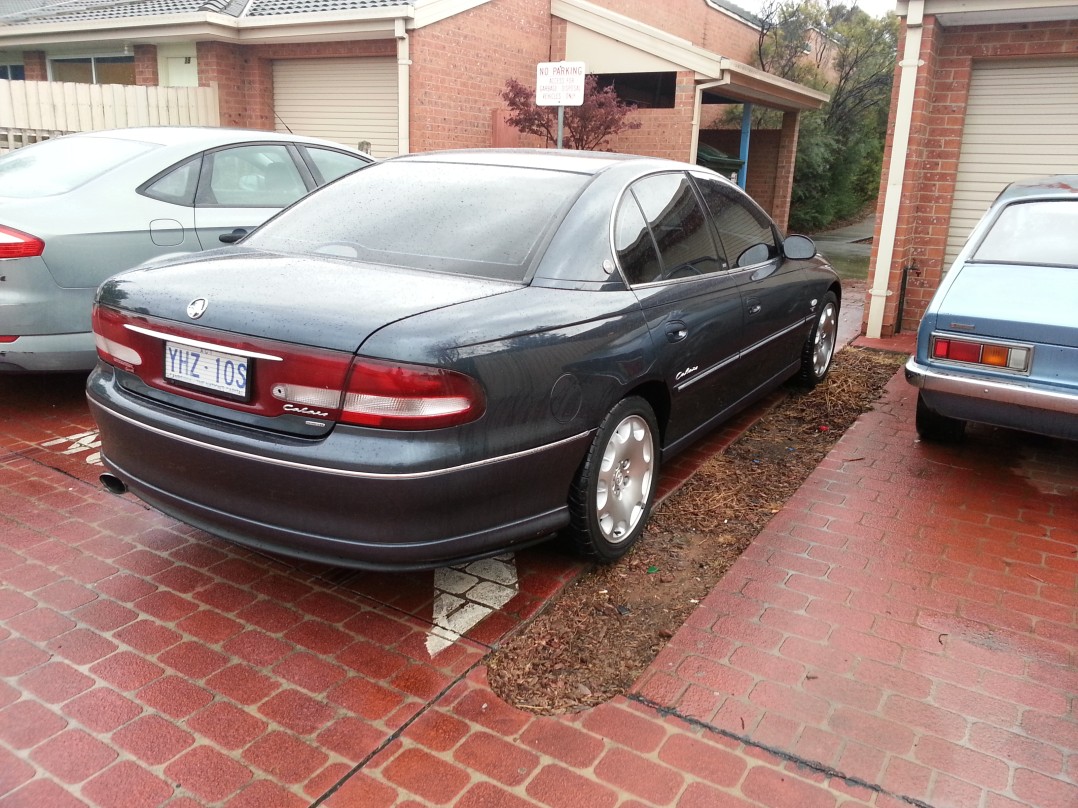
{"x":427,"y":74}
{"x":986,"y":92}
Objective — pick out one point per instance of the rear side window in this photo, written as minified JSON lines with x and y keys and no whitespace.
{"x":178,"y":185}
{"x":678,"y":228}
{"x":1033,"y":233}
{"x":744,"y":230}
{"x":329,"y":164}
{"x":61,"y":165}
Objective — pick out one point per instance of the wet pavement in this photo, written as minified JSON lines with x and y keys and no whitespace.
{"x":903,"y":632}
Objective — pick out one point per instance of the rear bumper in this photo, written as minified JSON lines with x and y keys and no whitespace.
{"x":51,"y":353}
{"x":1017,"y":394}
{"x":284,"y":501}
{"x":1020,"y":404}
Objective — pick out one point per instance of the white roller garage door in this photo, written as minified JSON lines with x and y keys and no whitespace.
{"x":343,"y":100}
{"x":1021,"y":121}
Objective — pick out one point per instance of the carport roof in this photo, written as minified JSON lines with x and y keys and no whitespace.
{"x":606,"y":41}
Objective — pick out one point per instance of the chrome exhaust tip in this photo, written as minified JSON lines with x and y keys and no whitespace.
{"x":113,"y":484}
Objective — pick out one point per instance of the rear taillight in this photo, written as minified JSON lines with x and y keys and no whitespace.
{"x":7,"y":339}
{"x":113,"y":340}
{"x":297,"y":380}
{"x":980,"y":352}
{"x":392,"y":395}
{"x":17,"y":244}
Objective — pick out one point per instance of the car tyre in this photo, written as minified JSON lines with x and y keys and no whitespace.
{"x":614,"y":489}
{"x":932,"y":426}
{"x":819,"y":350}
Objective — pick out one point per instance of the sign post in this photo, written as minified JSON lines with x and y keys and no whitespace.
{"x":561,"y":85}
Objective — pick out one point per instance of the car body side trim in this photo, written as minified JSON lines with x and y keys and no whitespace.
{"x":369,"y":475}
{"x":734,"y":357}
{"x":1005,"y":392}
{"x":195,"y":343}
{"x":689,"y":382}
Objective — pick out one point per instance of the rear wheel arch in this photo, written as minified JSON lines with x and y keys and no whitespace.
{"x":657,"y":395}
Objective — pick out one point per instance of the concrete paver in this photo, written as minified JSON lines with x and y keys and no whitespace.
{"x":902,"y":633}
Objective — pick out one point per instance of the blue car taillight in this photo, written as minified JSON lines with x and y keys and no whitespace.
{"x":982,"y":352}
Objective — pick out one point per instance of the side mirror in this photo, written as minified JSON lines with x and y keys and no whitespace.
{"x":798,"y":248}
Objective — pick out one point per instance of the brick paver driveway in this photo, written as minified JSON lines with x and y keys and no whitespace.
{"x":903,"y":633}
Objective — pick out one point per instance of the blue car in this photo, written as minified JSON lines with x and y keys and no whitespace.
{"x":998,"y":344}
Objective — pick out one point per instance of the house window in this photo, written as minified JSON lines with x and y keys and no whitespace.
{"x":12,"y":72}
{"x":94,"y":69}
{"x":646,"y":90}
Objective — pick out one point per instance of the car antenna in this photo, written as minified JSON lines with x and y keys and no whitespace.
{"x":286,"y":126}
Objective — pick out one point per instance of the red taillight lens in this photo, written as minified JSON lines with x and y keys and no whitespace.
{"x":1011,"y":357}
{"x":398,"y":396}
{"x":17,"y":244}
{"x":110,"y":337}
{"x":8,"y":339}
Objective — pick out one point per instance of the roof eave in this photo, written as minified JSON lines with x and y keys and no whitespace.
{"x":740,"y":82}
{"x":201,"y":26}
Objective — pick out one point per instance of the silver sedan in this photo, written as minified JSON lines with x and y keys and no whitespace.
{"x":77,"y":209}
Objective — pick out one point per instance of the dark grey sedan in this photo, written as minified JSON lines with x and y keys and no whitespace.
{"x":443,"y":356}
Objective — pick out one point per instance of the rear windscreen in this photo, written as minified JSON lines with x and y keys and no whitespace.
{"x":466,"y":219}
{"x":1044,"y":232}
{"x":61,"y":165}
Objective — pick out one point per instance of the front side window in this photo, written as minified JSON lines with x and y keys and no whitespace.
{"x":744,"y":230}
{"x":254,"y":176}
{"x":1033,"y":233}
{"x":678,"y":227}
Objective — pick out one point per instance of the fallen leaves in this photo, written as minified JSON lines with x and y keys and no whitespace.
{"x":599,"y":635}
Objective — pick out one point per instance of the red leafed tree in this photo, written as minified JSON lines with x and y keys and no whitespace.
{"x":587,"y":127}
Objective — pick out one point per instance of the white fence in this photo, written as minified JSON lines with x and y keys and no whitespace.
{"x":33,"y":110}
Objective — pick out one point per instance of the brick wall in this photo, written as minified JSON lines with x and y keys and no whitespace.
{"x":460,"y":66}
{"x":935,"y":143}
{"x":695,"y":21}
{"x":146,"y":65}
{"x":665,"y":132}
{"x":34,"y":66}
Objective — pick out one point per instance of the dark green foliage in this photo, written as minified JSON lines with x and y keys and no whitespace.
{"x":840,"y":147}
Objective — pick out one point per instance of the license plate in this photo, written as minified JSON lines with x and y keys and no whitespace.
{"x":207,"y":369}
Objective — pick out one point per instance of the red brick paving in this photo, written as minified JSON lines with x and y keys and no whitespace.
{"x":903,"y":633}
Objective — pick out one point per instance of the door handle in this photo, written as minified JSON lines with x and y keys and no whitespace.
{"x":676,"y":331}
{"x":753,"y":306}
{"x":233,"y":237}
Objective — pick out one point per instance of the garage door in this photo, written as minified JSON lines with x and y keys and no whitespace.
{"x":343,"y":100}
{"x":1021,"y":121}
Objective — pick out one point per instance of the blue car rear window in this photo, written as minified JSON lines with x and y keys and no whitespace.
{"x":61,"y":165}
{"x":1042,"y":232}
{"x":466,"y":219}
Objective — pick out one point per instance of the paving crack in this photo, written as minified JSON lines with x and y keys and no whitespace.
{"x":812,"y":765}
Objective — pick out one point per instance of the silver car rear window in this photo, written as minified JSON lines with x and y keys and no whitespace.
{"x":1041,"y":232}
{"x":61,"y":165}
{"x":483,"y":220}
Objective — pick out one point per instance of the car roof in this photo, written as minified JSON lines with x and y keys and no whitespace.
{"x":1060,"y":186}
{"x":206,"y":136}
{"x":584,"y":162}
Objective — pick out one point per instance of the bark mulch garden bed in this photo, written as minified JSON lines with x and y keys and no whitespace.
{"x":595,"y":640}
